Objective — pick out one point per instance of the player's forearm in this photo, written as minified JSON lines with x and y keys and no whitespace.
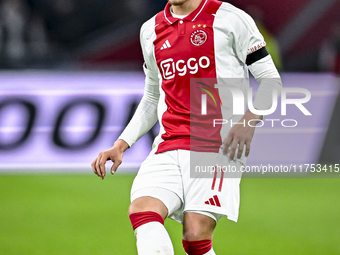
{"x":145,"y":116}
{"x":269,"y":78}
{"x":142,"y":121}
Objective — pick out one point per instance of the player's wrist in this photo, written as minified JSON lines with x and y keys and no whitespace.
{"x":121,"y":145}
{"x":251,"y":118}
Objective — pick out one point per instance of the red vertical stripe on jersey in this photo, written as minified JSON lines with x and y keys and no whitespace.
{"x":183,"y":61}
{"x":212,"y":202}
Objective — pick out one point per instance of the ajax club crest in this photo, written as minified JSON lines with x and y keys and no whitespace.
{"x":198,"y":37}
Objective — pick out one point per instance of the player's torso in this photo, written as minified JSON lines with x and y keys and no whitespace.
{"x":185,"y":50}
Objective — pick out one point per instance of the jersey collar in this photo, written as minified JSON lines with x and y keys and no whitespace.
{"x":191,"y":17}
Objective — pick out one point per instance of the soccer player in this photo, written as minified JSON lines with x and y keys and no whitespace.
{"x":192,"y":39}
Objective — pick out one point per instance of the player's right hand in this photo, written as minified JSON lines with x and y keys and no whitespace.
{"x":115,"y":154}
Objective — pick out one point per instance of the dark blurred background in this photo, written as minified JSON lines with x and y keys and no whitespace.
{"x":302,"y":35}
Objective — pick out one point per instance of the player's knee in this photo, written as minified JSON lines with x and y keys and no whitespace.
{"x":139,"y":205}
{"x":133,"y":208}
{"x":197,"y":231}
{"x":197,"y":227}
{"x":194,"y":234}
{"x":145,"y":204}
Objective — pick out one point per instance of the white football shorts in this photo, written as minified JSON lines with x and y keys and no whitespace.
{"x":166,"y":176}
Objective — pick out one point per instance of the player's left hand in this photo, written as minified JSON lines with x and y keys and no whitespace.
{"x":115,"y":154}
{"x":241,"y":135}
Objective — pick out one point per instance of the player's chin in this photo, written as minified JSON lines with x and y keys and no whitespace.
{"x":177,"y":2}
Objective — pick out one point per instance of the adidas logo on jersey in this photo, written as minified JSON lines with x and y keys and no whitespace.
{"x":166,"y":45}
{"x":213,"y":201}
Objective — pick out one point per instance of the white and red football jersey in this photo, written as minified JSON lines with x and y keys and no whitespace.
{"x":213,"y":42}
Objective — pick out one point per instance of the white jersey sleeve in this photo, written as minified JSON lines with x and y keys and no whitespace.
{"x":146,"y":113}
{"x":247,"y":38}
{"x":265,"y":72}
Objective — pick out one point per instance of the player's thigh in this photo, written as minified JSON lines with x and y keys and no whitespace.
{"x":158,"y":184}
{"x":214,"y":194}
{"x":197,"y":226}
{"x":159,"y":170}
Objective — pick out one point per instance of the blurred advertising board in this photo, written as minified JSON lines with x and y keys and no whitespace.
{"x":60,"y":121}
